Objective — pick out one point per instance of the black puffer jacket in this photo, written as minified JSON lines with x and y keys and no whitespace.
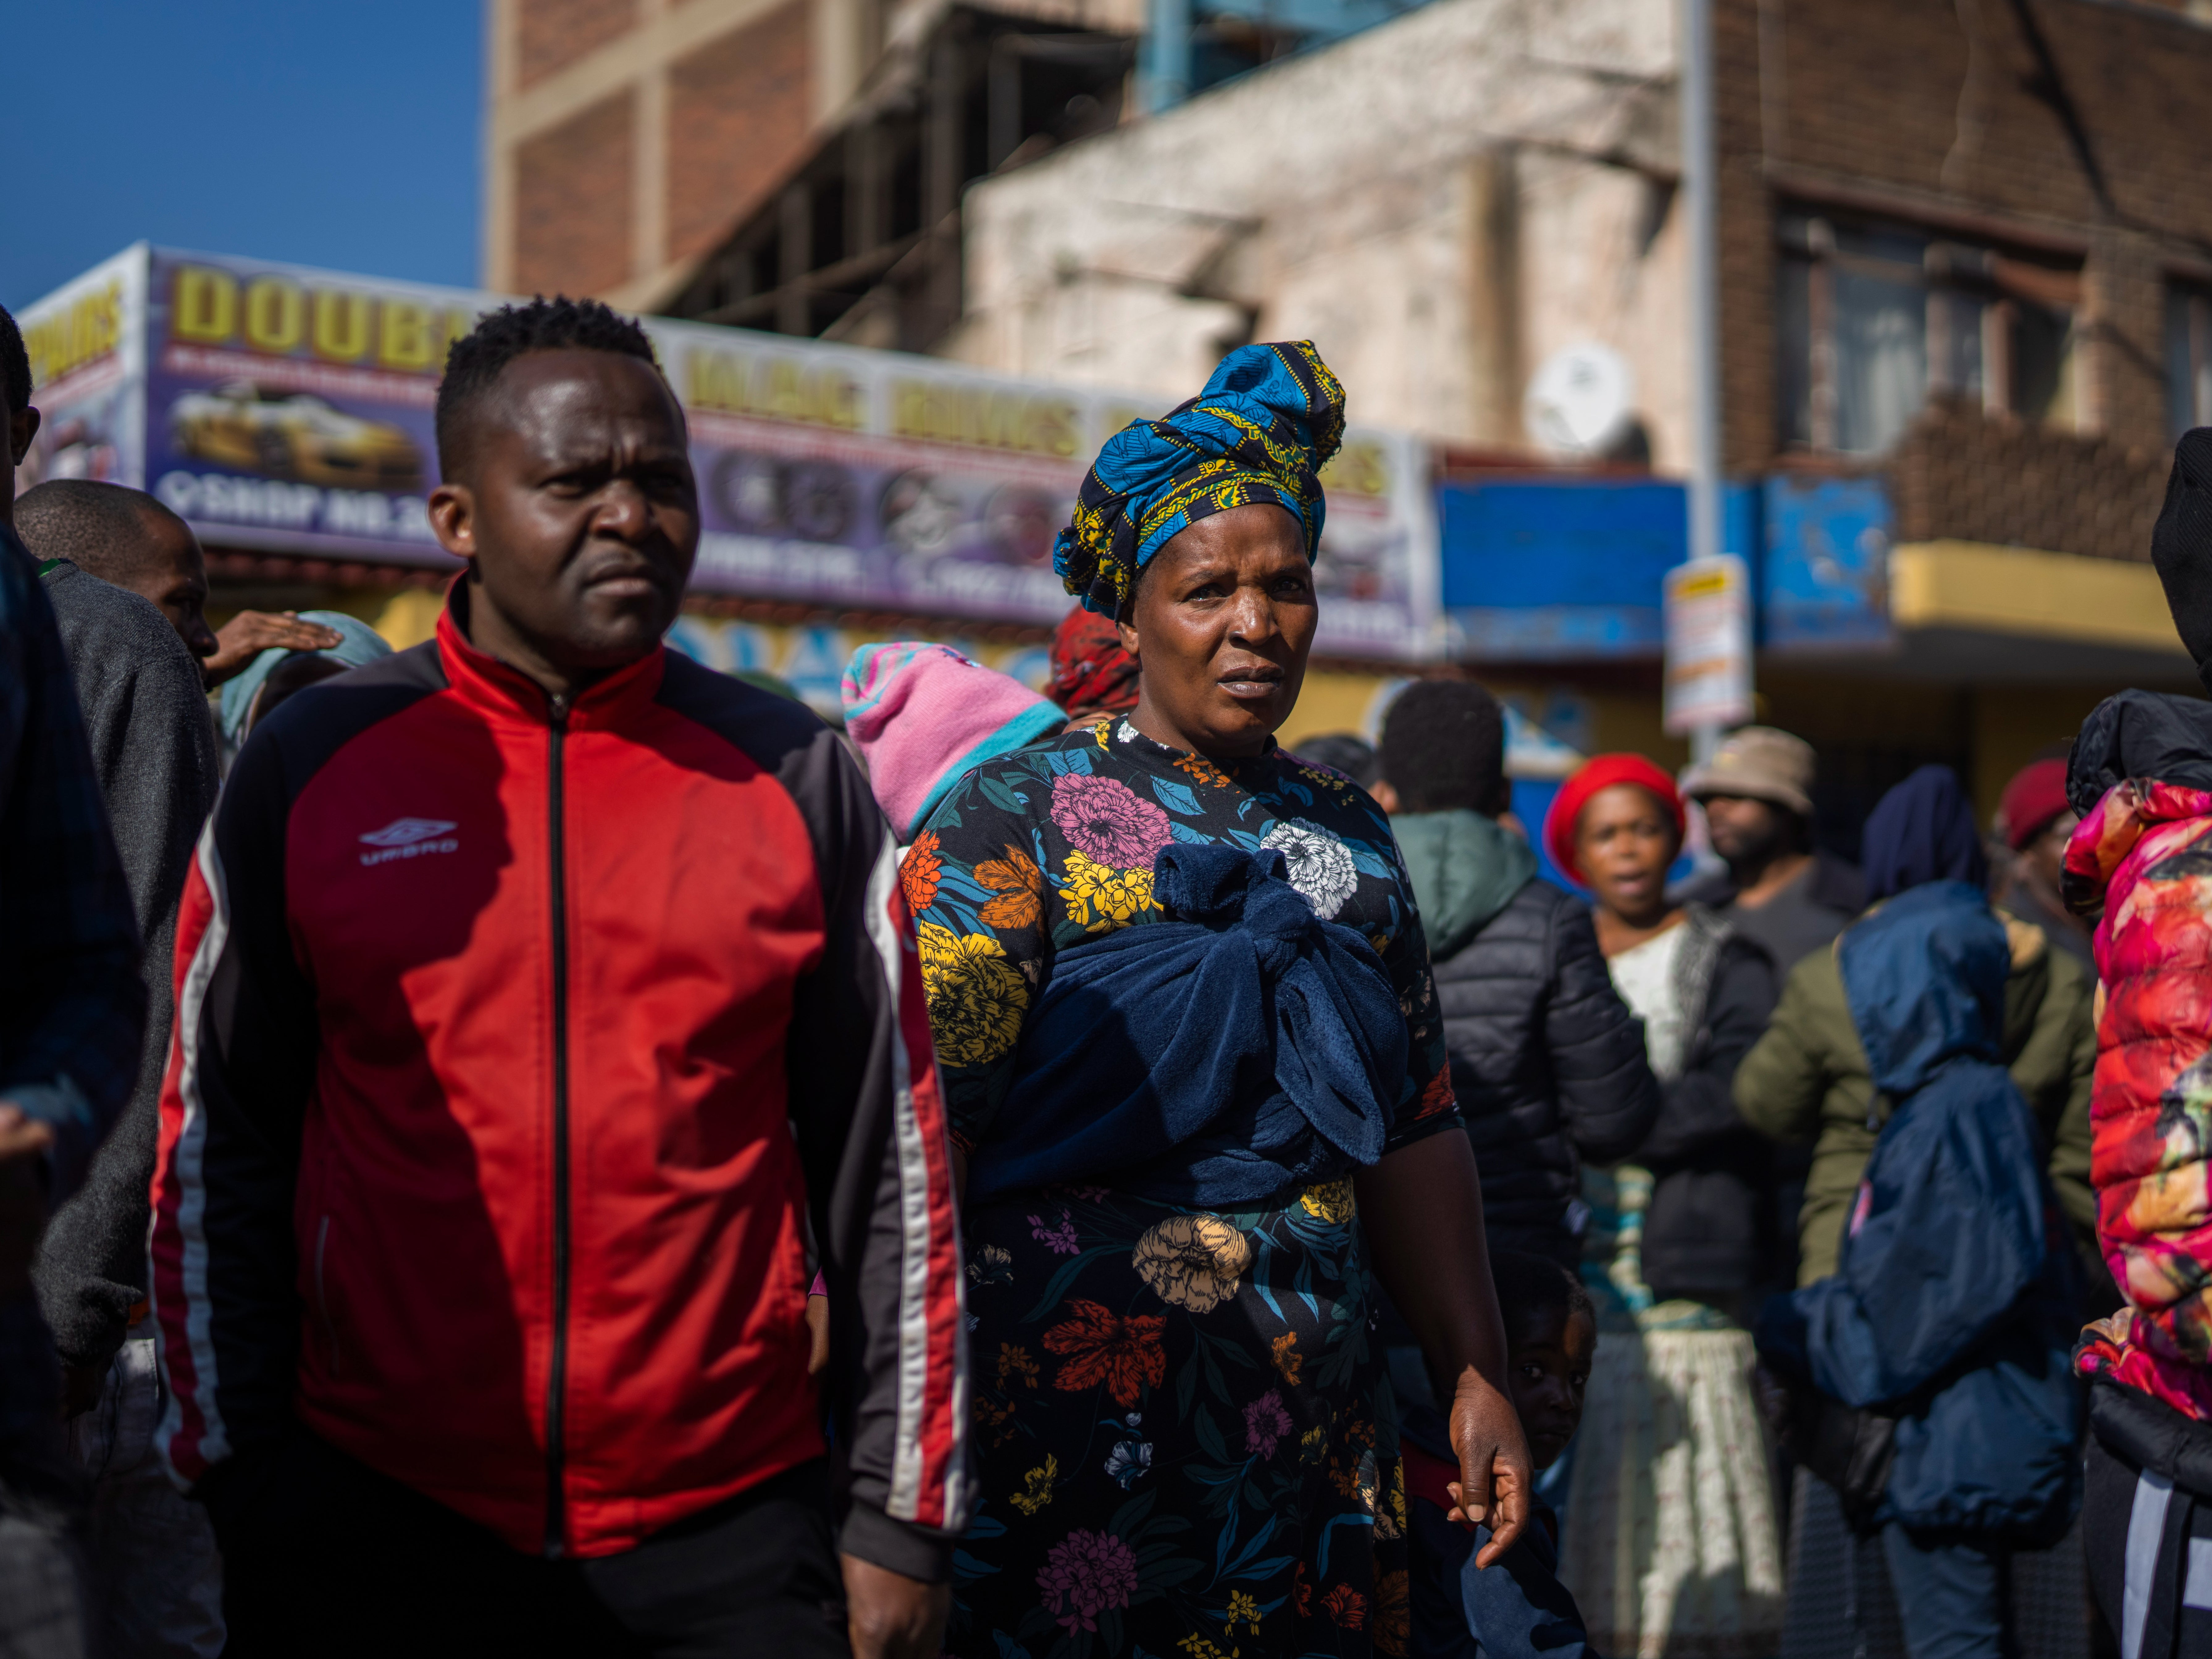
{"x":1712,"y":1231}
{"x":1547,"y":1064}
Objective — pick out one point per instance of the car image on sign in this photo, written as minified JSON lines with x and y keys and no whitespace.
{"x":293,"y":436}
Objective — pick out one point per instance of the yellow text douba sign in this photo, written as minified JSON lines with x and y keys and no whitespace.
{"x":278,"y":407}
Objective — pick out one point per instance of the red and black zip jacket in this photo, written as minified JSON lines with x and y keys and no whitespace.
{"x":515,"y":1047}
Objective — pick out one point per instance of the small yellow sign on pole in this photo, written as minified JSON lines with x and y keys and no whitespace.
{"x":1708,"y":623}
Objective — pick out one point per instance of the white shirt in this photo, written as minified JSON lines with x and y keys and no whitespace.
{"x":1645,"y":976}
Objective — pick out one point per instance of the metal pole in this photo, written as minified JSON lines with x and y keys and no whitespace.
{"x":1167,"y":55}
{"x":1702,"y":220}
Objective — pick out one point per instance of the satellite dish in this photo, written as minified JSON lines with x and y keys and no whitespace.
{"x":1580,"y":400}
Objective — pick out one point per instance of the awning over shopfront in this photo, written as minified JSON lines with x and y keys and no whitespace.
{"x":1966,"y":610}
{"x":1548,"y":570}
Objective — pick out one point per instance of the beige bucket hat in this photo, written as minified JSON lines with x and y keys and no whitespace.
{"x":1761,"y":764}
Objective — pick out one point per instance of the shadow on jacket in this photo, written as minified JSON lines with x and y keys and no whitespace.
{"x":1545,"y":1059}
{"x":1806,"y":1080}
{"x":1710,"y":1232}
{"x":1951,"y":1308}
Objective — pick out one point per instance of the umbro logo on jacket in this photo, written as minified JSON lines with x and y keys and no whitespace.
{"x":408,"y":838}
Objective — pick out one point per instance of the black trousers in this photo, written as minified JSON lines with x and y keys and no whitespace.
{"x":322,"y":1555}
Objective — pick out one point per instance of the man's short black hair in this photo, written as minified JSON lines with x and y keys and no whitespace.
{"x":475,"y":362}
{"x":1443,"y":748}
{"x":1531,"y":1288}
{"x":14,"y":365}
{"x":98,"y":527}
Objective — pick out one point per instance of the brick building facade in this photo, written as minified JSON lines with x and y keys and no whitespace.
{"x":628,"y":141}
{"x":2038,"y":155}
{"x":1963,"y":247}
{"x":1928,"y":211}
{"x":624,"y":137}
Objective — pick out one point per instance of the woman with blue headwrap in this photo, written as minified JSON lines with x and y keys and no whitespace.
{"x":1198,"y":1087}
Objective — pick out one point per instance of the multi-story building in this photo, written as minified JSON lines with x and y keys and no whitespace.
{"x":623,"y":137}
{"x":1965,"y":274}
{"x":1964,"y":253}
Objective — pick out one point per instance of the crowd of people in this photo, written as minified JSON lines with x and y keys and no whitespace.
{"x":529,"y":1145}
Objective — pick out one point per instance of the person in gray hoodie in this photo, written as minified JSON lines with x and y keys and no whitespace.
{"x":154,"y":753}
{"x":1548,"y":1065}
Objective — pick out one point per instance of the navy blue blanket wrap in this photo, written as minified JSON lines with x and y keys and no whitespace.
{"x":1218,"y":1058}
{"x":1952,"y":1308}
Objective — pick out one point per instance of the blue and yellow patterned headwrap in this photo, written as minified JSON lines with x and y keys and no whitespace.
{"x":1262,"y":431}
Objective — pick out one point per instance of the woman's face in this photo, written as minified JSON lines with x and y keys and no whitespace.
{"x":1625,"y":840}
{"x":1223,"y":620}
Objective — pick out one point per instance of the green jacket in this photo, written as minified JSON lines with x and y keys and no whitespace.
{"x":1806,"y":1080}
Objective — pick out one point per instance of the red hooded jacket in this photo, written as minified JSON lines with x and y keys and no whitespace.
{"x":2140,"y":854}
{"x":516,"y":1049}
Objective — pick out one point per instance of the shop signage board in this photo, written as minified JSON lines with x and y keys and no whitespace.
{"x":1825,"y":577}
{"x":1568,"y":568}
{"x":1708,"y":619}
{"x":288,"y":409}
{"x":1541,"y":568}
{"x":86,"y":342}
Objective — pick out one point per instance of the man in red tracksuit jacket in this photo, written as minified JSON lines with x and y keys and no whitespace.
{"x":543,"y":1001}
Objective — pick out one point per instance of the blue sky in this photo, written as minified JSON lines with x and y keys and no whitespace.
{"x":342,"y":135}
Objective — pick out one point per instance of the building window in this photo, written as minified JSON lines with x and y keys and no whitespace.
{"x":2188,"y":356}
{"x":1876,"y":319}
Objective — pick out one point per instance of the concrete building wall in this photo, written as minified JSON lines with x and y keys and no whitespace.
{"x":1444,"y":201}
{"x":729,"y":125}
{"x":551,"y":35}
{"x":720,"y":97}
{"x":1436,"y":202}
{"x":723,"y":99}
{"x":562,"y":244}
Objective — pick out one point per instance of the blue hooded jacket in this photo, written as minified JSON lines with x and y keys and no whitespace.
{"x":1953,"y":1307}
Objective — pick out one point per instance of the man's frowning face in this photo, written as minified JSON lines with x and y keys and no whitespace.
{"x":575,"y":505}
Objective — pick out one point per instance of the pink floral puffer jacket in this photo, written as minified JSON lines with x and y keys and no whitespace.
{"x":2146,"y":850}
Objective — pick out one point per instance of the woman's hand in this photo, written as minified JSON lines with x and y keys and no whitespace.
{"x":1421,"y":1208}
{"x":1495,"y":1477}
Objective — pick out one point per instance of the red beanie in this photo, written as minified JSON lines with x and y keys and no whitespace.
{"x":2036,"y":795}
{"x":1601,"y":772}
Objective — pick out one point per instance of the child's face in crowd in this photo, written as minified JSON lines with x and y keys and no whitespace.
{"x":1547,"y":1370}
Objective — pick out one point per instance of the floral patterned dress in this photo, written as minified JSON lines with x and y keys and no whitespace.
{"x":1185,"y":1444}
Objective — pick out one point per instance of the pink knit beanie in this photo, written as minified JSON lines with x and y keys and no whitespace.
{"x":923,"y":717}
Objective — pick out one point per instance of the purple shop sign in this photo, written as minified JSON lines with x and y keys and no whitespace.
{"x":279,"y":407}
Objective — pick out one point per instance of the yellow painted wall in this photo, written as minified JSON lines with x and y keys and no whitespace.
{"x":368,"y":604}
{"x":2020,"y":591}
{"x":2013,"y":725}
{"x":1844,"y":709}
{"x":1618,"y":721}
{"x":408,"y":618}
{"x":1632,"y":723}
{"x":1331,"y":702}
